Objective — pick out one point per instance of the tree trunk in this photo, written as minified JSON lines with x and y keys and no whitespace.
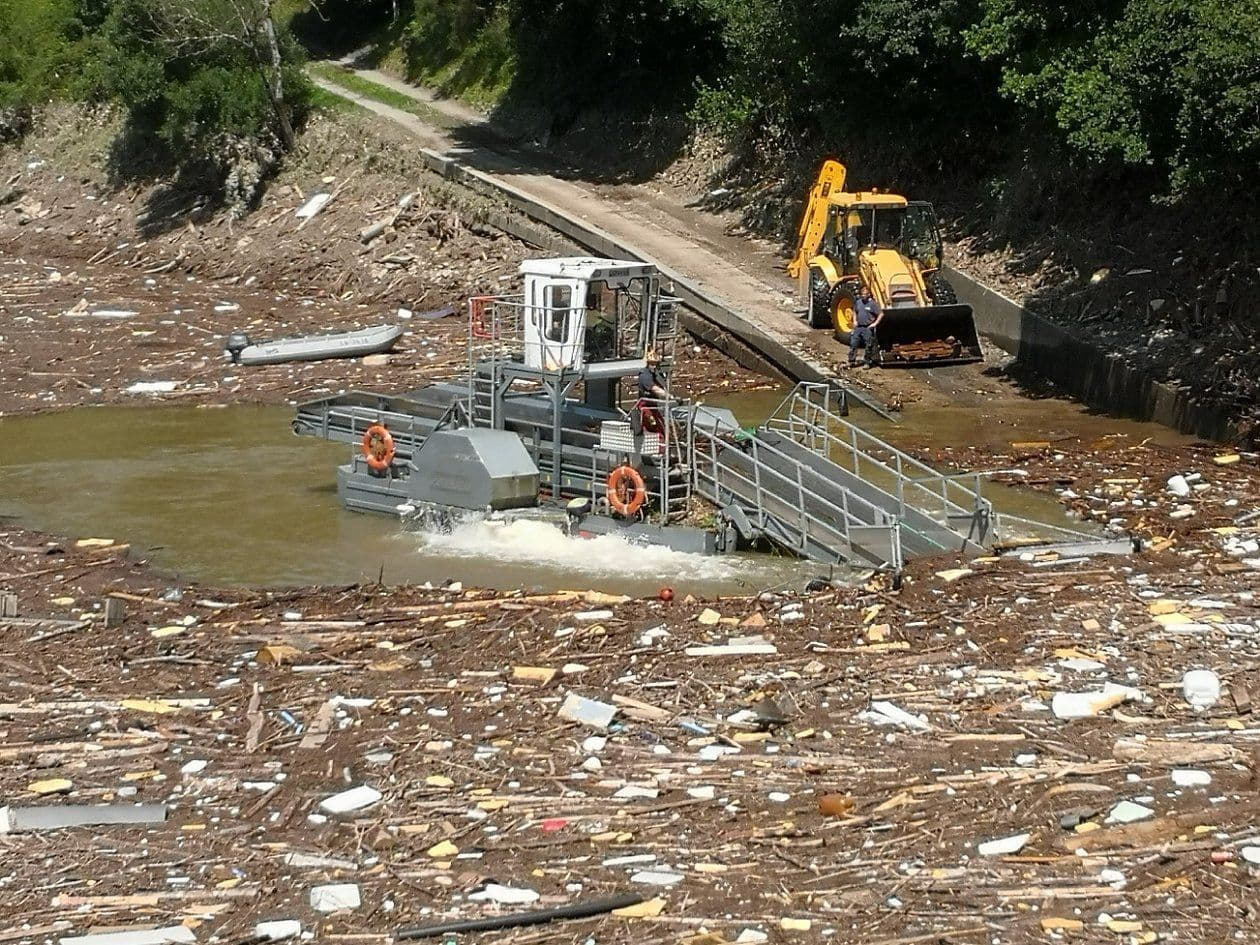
{"x":275,"y":79}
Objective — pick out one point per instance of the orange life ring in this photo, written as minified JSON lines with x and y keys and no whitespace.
{"x":626,"y":490}
{"x":378,"y":447}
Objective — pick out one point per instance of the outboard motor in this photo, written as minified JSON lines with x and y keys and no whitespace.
{"x":237,"y":342}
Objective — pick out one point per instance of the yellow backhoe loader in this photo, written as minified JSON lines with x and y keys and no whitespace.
{"x":893,"y":245}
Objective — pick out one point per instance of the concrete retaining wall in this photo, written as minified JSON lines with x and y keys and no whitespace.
{"x":1084,"y":370}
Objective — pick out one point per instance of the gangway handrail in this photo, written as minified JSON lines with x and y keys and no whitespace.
{"x":762,"y":446}
{"x":798,"y":416}
{"x":716,"y":477}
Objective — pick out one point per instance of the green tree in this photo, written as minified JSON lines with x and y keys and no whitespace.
{"x":1171,"y":84}
{"x":196,"y":69}
{"x":44,"y":44}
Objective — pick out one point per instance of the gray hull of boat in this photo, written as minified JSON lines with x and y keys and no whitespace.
{"x":349,"y":344}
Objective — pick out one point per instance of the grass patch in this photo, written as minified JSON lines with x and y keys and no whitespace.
{"x":377,"y":92}
{"x":326,"y":101}
{"x":478,"y":69}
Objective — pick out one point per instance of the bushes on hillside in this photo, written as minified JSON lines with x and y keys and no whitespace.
{"x":211,"y":80}
{"x":42,"y":46}
{"x":1168,"y":83}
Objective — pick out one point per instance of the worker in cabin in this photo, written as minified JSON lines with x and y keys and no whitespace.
{"x":867,"y":315}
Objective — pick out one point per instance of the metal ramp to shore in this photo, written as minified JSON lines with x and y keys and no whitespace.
{"x":817,"y":485}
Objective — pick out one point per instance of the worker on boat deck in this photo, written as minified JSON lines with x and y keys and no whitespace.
{"x":867,"y":314}
{"x":647,"y":415}
{"x":650,"y":384}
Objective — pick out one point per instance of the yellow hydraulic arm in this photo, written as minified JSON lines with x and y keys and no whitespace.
{"x":814,"y":223}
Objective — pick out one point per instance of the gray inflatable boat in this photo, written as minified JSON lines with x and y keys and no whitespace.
{"x":345,"y":344}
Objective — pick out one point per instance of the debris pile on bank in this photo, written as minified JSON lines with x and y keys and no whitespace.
{"x":1010,"y":749}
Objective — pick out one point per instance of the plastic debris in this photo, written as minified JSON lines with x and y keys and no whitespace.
{"x":152,"y":387}
{"x":1003,"y":845}
{"x":1126,"y":812}
{"x":354,"y":799}
{"x":278,"y":929}
{"x":316,"y":203}
{"x":1201,"y":688}
{"x":575,"y":910}
{"x":598,"y":715}
{"x":1190,"y":777}
{"x":171,"y":935}
{"x":734,"y":649}
{"x":885,"y":713}
{"x":18,"y":819}
{"x":1084,"y":705}
{"x":335,"y":897}
{"x":657,"y":878}
{"x":504,"y":895}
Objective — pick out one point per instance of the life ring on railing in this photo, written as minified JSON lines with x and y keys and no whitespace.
{"x":650,"y":417}
{"x":378,"y":447}
{"x":626,"y":491}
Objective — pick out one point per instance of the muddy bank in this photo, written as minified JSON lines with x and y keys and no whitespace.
{"x":116,"y":291}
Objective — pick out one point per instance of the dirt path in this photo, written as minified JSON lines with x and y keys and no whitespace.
{"x":663,"y":224}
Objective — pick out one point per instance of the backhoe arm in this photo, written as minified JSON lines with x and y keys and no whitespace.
{"x":814,"y":222}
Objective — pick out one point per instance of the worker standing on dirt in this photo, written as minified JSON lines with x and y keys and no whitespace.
{"x":867,"y":315}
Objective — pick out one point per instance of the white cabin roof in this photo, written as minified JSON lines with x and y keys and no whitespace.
{"x":587,"y":268}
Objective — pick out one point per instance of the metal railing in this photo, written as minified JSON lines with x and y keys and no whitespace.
{"x":773,"y":492}
{"x":669,"y":491}
{"x":956,"y":502}
{"x":807,"y":416}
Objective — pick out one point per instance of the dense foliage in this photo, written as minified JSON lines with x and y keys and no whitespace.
{"x":42,"y":46}
{"x":1163,"y":88}
{"x":1167,"y":86}
{"x":212,"y":80}
{"x":197,"y":70}
{"x":1170,"y":83}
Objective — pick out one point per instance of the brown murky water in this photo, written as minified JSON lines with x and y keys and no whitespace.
{"x":995,"y":421}
{"x":230,"y":496}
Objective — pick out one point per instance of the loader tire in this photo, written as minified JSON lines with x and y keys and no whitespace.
{"x":819,"y":300}
{"x":941,"y":291}
{"x":843,"y":298}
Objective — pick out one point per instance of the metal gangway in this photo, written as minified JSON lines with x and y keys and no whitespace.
{"x":817,"y":485}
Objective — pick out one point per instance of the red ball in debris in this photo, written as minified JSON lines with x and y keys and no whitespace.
{"x":667,"y":593}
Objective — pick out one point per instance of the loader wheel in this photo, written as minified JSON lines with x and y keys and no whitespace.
{"x":941,"y":291}
{"x":819,"y":300}
{"x":843,"y":305}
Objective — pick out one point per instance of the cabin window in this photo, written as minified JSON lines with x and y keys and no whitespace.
{"x":559,"y":307}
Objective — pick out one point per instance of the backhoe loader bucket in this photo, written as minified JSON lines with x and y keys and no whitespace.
{"x":928,"y":335}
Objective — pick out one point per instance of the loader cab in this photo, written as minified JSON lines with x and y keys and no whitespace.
{"x":588,"y":315}
{"x":921,"y":235}
{"x":872,"y":221}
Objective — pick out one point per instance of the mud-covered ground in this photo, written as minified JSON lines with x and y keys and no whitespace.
{"x":121,"y":292}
